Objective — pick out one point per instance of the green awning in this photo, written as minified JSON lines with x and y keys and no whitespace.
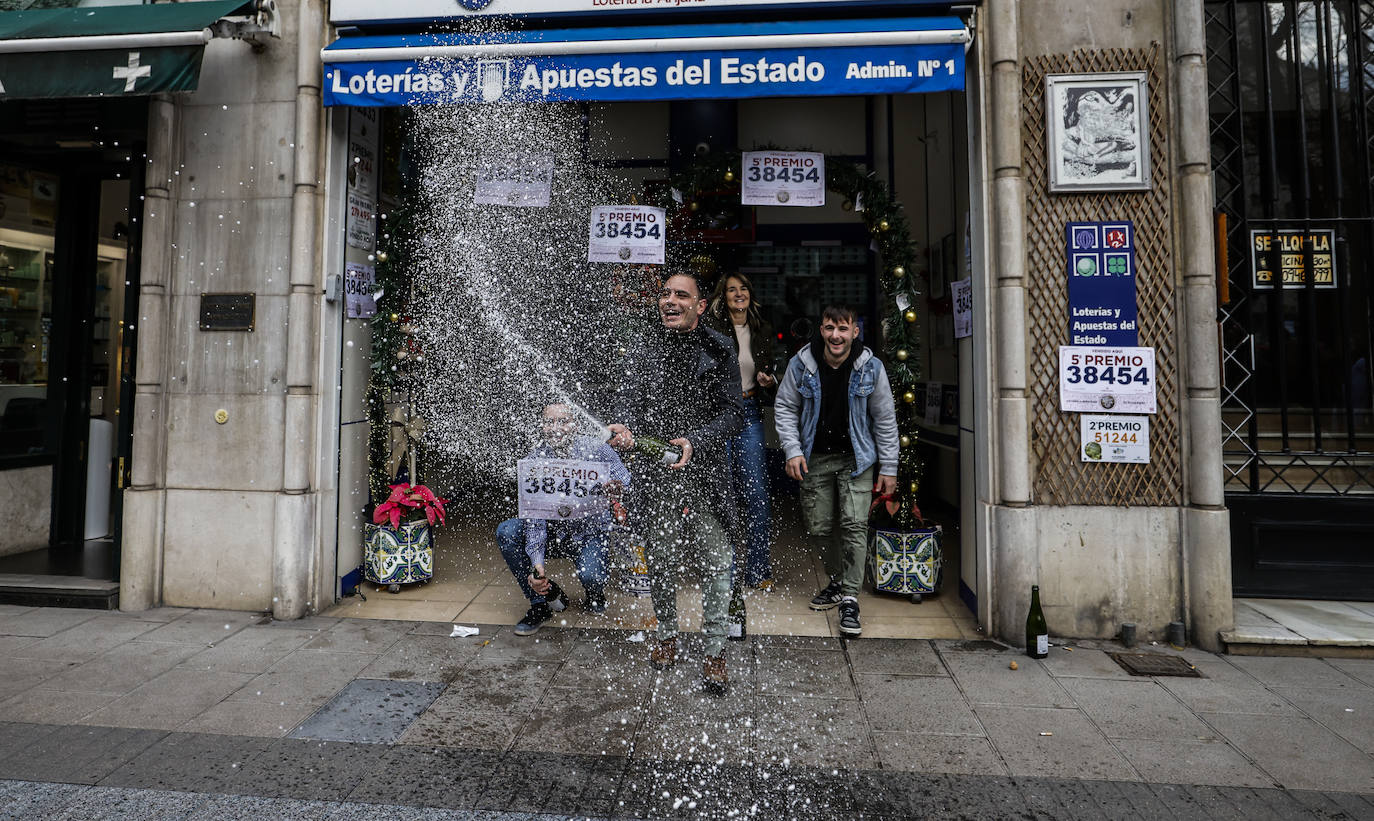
{"x":106,"y":51}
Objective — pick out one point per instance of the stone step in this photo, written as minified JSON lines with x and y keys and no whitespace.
{"x":35,"y":590}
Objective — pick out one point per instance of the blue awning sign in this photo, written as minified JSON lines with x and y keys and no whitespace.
{"x":702,"y":62}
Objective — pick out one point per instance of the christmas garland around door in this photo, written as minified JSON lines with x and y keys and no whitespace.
{"x":718,"y":174}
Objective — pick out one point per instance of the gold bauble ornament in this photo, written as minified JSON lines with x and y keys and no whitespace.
{"x":395,"y":317}
{"x":902,"y":354}
{"x":693,"y":206}
{"x":729,"y":176}
{"x":909,"y":316}
{"x":883,"y":225}
{"x":899,"y":272}
{"x":906,"y":441}
{"x":908,"y":397}
{"x":381,"y":256}
{"x":847,"y":205}
{"x":915,"y":487}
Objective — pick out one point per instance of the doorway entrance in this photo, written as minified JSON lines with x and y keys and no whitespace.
{"x":70,"y":181}
{"x":1291,"y":123}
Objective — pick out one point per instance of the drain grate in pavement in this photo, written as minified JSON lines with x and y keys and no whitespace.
{"x":1155,"y":664}
{"x":370,"y":711}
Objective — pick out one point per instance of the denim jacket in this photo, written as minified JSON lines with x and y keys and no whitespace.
{"x":872,"y":414}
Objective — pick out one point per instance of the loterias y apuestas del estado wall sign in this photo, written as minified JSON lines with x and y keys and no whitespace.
{"x":361,"y":12}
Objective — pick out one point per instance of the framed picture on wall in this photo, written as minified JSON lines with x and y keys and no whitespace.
{"x":1098,"y":132}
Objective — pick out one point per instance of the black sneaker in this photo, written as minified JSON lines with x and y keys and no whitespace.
{"x":827,"y":598}
{"x":534,"y":619}
{"x":849,"y":618}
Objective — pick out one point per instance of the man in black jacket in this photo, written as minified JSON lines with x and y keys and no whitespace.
{"x":683,"y":386}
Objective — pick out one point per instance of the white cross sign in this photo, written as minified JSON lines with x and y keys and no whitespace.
{"x":130,"y":74}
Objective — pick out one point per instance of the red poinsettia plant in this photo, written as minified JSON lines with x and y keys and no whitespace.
{"x":407,"y":502}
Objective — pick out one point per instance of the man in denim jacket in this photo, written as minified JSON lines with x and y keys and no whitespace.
{"x":836,"y":420}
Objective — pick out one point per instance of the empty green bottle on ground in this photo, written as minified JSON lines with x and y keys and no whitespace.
{"x":1037,"y":632}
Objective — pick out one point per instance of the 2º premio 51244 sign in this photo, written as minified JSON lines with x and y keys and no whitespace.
{"x":1106,"y":379}
{"x":1114,"y":438}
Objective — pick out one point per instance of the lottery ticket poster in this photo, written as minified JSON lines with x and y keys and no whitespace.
{"x":560,"y":489}
{"x":1112,"y":438}
{"x":360,"y":284}
{"x":362,"y":222}
{"x":1106,"y":379}
{"x":627,"y":233}
{"x":520,"y":180}
{"x":961,"y":290}
{"x":793,"y":178}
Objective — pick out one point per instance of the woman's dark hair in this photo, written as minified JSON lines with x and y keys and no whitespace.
{"x":721,"y":311}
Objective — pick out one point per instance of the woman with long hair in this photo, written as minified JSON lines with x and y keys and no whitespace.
{"x":734,"y":313}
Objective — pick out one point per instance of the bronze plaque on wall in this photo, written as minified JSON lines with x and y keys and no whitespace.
{"x":227,"y":312}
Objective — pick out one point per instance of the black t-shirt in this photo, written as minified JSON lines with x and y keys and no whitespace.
{"x":832,"y":429}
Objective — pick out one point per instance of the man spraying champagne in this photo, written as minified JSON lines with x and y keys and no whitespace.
{"x":682,"y":391}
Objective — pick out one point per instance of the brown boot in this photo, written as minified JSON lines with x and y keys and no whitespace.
{"x":713,"y":675}
{"x":663,"y":654}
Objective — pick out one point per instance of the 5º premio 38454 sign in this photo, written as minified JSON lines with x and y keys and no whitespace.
{"x":1106,"y":379}
{"x":1284,"y":256}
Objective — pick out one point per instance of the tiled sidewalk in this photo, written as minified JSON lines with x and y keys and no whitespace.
{"x":216,"y":702}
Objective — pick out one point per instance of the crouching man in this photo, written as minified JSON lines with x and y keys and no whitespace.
{"x":525,"y":542}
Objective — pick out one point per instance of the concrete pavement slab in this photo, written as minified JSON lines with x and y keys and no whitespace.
{"x":303,"y":677}
{"x":311,"y":770}
{"x":255,"y":718}
{"x":1286,"y":671}
{"x":548,"y":645}
{"x":933,"y":753}
{"x":1362,"y":669}
{"x":202,"y":627}
{"x":370,"y":711}
{"x":255,"y":808}
{"x":427,"y":777}
{"x":16,"y":737}
{"x":1226,"y":689}
{"x":422,"y":658}
{"x":76,"y":754}
{"x":704,"y":738}
{"x":21,"y":675}
{"x":589,"y":722}
{"x":1139,"y":798}
{"x":803,"y":673}
{"x":1053,"y":743}
{"x":121,"y":669}
{"x":1135,"y":709}
{"x":1347,"y":712}
{"x":43,"y":621}
{"x":250,"y":650}
{"x":86,"y":640}
{"x":916,"y":704}
{"x":1326,"y":762}
{"x":913,"y":658}
{"x":169,"y":700}
{"x":162,"y":615}
{"x":1328,"y":807}
{"x":1191,"y":761}
{"x":506,"y":688}
{"x":358,"y":636}
{"x":11,"y":645}
{"x":195,"y":762}
{"x":987,"y":678}
{"x":812,"y":732}
{"x":1067,"y":661}
{"x":14,"y":609}
{"x":459,"y":726}
{"x":44,"y":705}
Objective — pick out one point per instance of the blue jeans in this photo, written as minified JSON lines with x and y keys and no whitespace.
{"x":590,"y":552}
{"x":749,"y":487}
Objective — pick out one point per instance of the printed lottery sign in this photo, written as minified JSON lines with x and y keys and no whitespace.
{"x":962,"y":292}
{"x":523,"y":180}
{"x":360,"y":283}
{"x":1124,"y":439}
{"x":626,"y":233}
{"x":362,"y":222}
{"x":1106,"y":380}
{"x":560,"y":489}
{"x":783,"y":178}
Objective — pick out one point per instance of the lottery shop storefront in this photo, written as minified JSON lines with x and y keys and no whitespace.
{"x":864,"y":85}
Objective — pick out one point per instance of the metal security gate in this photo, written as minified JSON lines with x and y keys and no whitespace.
{"x":1292,"y":126}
